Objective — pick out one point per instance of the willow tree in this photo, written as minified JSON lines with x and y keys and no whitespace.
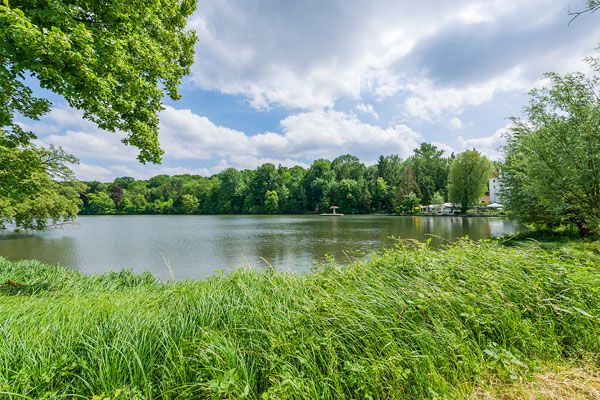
{"x":552,"y":169}
{"x":115,"y":61}
{"x":468,"y":178}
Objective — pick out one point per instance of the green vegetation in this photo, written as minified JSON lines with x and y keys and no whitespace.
{"x":391,"y":185}
{"x":468,"y":180}
{"x":29,"y":191}
{"x":552,"y":172}
{"x":410,"y":323}
{"x":102,"y":58}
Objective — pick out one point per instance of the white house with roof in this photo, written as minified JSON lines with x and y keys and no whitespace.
{"x":495,"y":186}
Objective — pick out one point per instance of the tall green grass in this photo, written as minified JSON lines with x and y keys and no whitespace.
{"x":410,"y":323}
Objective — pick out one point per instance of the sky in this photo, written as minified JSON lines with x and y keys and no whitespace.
{"x":289,"y":81}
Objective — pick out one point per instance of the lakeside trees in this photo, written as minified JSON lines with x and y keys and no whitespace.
{"x":552,"y":171}
{"x":29,"y":191}
{"x":468,"y":178}
{"x":102,"y":59}
{"x":391,"y":185}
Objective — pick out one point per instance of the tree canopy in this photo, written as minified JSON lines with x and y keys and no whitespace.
{"x":468,"y":178}
{"x":552,"y":170}
{"x":115,"y":61}
{"x":29,"y":191}
{"x":390,"y":185}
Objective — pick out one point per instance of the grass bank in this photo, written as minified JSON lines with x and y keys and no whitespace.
{"x":409,"y":323}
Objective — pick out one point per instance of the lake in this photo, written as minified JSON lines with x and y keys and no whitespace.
{"x":198,"y":246}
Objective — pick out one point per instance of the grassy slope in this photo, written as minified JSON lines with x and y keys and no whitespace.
{"x":406,"y":324}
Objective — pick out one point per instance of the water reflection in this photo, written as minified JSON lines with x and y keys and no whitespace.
{"x":198,"y":245}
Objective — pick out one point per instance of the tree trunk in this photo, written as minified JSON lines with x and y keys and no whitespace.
{"x":584,"y":229}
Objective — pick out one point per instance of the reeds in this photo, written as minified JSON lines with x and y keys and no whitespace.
{"x":410,"y":323}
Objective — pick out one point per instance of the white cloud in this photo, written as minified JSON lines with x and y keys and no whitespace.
{"x":489,"y":145}
{"x":445,"y":147}
{"x":185,"y":135}
{"x":430,"y":102}
{"x":366,"y":109}
{"x":96,"y":144}
{"x":325,"y":133}
{"x":307,"y":55}
{"x":331,"y":133}
{"x":89,"y":172}
{"x":251,"y":162}
{"x":455,"y":123}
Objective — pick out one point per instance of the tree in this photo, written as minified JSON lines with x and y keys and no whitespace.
{"x":591,"y":6}
{"x":265,"y":179}
{"x":348,"y":167}
{"x":552,"y":169}
{"x":438,"y":199}
{"x":101,"y":57}
{"x":101,"y":203}
{"x":390,"y":169}
{"x":30,"y":188}
{"x":381,"y":195}
{"x":116,"y":194}
{"x":346,"y":194}
{"x":468,"y":179}
{"x":271,"y":202}
{"x":408,"y":182}
{"x":316,"y":182}
{"x":230,"y":192}
{"x":292,"y":185}
{"x":430,"y":169}
{"x":189,"y":204}
{"x":134,"y":203}
{"x":408,"y":204}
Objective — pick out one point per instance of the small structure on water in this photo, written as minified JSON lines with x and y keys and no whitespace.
{"x":333,"y":212}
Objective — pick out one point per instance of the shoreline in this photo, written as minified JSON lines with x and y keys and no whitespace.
{"x":379,"y":328}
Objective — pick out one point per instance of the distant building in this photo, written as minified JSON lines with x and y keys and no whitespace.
{"x":495,"y":186}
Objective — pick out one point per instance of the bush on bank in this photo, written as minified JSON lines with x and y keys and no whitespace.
{"x":412,"y":322}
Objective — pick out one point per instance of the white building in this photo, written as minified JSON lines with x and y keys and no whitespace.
{"x":495,"y":186}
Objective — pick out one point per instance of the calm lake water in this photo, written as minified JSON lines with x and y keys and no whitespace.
{"x":198,"y":246}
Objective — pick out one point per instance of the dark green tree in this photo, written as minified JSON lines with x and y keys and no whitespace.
{"x":348,"y":167}
{"x":551,"y":175}
{"x":316,"y":182}
{"x":431,"y":170}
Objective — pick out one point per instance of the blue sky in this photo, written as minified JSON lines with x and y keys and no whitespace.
{"x":291,"y":81}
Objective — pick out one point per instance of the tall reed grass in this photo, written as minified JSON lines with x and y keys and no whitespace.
{"x":409,"y":323}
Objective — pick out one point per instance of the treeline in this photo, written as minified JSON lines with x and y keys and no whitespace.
{"x":391,"y":185}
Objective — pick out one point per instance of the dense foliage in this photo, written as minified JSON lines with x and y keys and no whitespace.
{"x":30,"y":195}
{"x":552,"y":172}
{"x":115,"y":61}
{"x":468,"y":179}
{"x":391,"y":185}
{"x":405,"y":325}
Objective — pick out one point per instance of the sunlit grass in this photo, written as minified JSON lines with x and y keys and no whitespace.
{"x":410,"y":323}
